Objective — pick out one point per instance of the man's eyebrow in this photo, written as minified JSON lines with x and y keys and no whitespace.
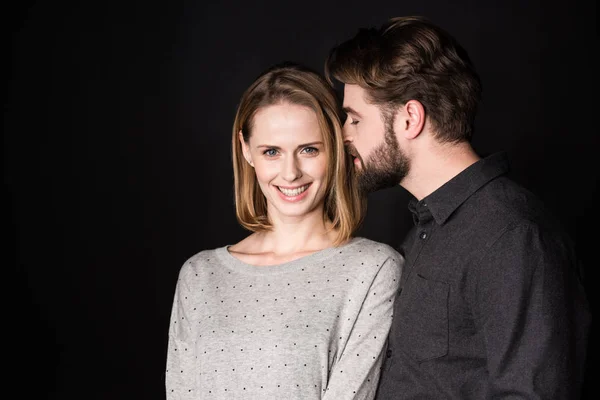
{"x":350,"y":110}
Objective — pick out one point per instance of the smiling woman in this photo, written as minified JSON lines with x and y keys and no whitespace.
{"x":300,"y":309}
{"x":295,"y":107}
{"x":287,"y":152}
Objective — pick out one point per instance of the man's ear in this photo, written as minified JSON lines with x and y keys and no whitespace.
{"x":412,"y":120}
{"x":245,"y":149}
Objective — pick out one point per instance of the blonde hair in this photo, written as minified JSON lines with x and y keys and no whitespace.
{"x":295,"y":84}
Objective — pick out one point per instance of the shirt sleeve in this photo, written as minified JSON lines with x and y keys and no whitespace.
{"x":531,"y":305}
{"x":356,"y":372}
{"x":180,"y":381}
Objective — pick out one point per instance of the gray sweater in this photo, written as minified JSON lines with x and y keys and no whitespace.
{"x":312,"y":328}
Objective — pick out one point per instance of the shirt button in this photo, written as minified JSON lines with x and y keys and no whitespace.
{"x":388,"y":353}
{"x":424,"y":204}
{"x":423,"y":235}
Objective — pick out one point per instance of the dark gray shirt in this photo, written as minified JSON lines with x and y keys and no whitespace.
{"x":490,"y":304}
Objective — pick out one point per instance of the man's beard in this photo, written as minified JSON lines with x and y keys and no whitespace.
{"x":387,"y":165}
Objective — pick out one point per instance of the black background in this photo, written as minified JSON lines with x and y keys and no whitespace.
{"x":117,"y":168}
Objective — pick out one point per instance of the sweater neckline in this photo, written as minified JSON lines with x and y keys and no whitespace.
{"x":236,"y":264}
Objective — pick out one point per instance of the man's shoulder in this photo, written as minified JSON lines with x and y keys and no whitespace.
{"x":510,"y":203}
{"x":504,"y":205}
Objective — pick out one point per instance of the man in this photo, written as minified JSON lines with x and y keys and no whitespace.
{"x":490,"y":304}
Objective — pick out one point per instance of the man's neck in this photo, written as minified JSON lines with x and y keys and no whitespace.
{"x":436,"y":165}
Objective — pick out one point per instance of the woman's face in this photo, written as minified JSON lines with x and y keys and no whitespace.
{"x":287,"y":152}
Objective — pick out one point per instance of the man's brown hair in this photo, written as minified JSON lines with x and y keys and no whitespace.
{"x":410,"y":58}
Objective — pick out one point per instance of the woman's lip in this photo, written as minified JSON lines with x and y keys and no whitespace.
{"x":296,"y":198}
{"x":292,"y":187}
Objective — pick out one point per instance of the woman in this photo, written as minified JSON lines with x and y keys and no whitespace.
{"x":299,"y":309}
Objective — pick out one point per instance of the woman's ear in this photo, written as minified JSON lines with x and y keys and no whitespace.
{"x":245,"y":149}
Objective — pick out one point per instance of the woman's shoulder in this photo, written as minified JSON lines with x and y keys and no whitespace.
{"x":208,"y":258}
{"x":371,"y":258}
{"x":364,"y":246}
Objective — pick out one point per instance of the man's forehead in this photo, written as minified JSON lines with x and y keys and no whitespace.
{"x":353,"y":98}
{"x":353,"y":95}
{"x":352,"y":91}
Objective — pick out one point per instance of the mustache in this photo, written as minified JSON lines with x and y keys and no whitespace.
{"x":350,"y":149}
{"x":352,"y":152}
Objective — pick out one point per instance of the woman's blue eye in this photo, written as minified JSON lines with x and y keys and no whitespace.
{"x":310,"y":150}
{"x":270,"y":152}
{"x":353,"y":122}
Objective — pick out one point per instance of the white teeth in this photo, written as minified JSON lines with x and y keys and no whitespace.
{"x":293,"y":192}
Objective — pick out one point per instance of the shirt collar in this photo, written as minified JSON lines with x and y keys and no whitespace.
{"x":447,"y":198}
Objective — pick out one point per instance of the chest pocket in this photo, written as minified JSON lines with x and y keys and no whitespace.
{"x":422,"y":323}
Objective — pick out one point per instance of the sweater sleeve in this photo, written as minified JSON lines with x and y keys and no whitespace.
{"x":355,"y":373}
{"x":180,"y":382}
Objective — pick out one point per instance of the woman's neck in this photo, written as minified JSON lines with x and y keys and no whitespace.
{"x":297,"y":235}
{"x":289,"y":239}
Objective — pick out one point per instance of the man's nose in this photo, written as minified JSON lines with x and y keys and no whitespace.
{"x":346,"y":134}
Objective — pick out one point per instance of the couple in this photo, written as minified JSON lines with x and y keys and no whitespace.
{"x":483,"y":299}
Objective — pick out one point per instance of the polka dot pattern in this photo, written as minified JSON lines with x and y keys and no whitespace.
{"x":313,"y":328}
